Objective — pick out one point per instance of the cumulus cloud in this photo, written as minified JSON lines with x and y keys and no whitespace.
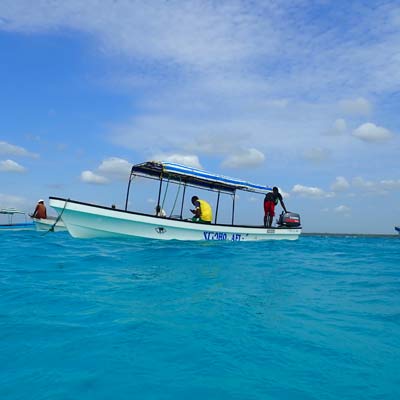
{"x":360,"y":182}
{"x":340,"y":184}
{"x":115,"y":167}
{"x":187,"y":160}
{"x":109,"y":169}
{"x":383,"y":186}
{"x":359,"y":106}
{"x":309,"y":191}
{"x":246,"y":158}
{"x":11,"y":166}
{"x":91,"y":177}
{"x":370,"y":132}
{"x":11,"y":149}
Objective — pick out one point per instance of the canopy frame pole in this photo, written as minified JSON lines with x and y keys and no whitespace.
{"x":183,"y":199}
{"x":159,"y":191}
{"x":127,"y":192}
{"x":176,"y":197}
{"x":216,"y":210}
{"x":233,"y":207}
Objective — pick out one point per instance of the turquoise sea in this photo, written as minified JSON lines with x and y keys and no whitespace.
{"x":317,"y":318}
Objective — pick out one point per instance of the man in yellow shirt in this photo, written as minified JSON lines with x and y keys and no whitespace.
{"x":202,"y":212}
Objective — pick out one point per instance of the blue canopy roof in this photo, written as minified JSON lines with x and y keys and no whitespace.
{"x":195,"y":177}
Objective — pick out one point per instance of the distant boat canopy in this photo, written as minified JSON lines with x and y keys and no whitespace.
{"x":10,"y":224}
{"x":10,"y":211}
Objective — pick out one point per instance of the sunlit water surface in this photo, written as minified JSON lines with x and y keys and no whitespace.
{"x":317,"y":318}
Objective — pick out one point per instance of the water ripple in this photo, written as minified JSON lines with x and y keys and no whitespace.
{"x":311,"y":319}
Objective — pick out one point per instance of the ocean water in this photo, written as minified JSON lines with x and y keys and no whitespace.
{"x":317,"y":318}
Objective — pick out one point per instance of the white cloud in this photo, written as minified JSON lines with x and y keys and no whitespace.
{"x":361,"y":183}
{"x":383,"y":186}
{"x":340,"y":184}
{"x":188,"y":160}
{"x":284,"y":194}
{"x":115,"y":167}
{"x":218,"y":67}
{"x":11,"y":149}
{"x":342,"y":209}
{"x":232,"y":35}
{"x":309,"y":191}
{"x":199,"y":34}
{"x":246,"y":158}
{"x":390,"y":184}
{"x":90,"y":177}
{"x":11,"y":166}
{"x":359,"y":106}
{"x":370,"y":132}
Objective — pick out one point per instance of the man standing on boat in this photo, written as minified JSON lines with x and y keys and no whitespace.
{"x":40,"y":210}
{"x":202,"y":212}
{"x":270,"y":201}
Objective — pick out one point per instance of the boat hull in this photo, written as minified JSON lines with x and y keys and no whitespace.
{"x":17,"y":227}
{"x":47,"y":224}
{"x":93,"y":221}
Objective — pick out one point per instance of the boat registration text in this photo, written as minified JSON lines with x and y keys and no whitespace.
{"x":235,"y":237}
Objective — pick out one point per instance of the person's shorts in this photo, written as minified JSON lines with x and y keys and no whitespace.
{"x":269,"y":208}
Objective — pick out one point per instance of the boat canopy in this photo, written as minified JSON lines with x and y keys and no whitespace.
{"x":195,"y":177}
{"x":10,"y":211}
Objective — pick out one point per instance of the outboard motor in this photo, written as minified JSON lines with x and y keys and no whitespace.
{"x":289,"y":220}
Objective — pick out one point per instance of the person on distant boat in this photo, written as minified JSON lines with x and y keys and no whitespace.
{"x":160,"y":212}
{"x":270,"y":201}
{"x":202,"y":212}
{"x":40,"y":210}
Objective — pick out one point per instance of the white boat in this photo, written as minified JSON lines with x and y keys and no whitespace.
{"x":85,"y":220}
{"x":10,"y":223}
{"x":397,"y":229}
{"x":49,"y":224}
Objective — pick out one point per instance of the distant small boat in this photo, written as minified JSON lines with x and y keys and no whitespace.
{"x":21,"y":224}
{"x":49,"y":223}
{"x":397,"y":229}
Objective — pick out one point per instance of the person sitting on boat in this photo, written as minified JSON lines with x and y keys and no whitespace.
{"x":202,"y":212}
{"x":270,"y":201}
{"x":40,"y":210}
{"x":160,"y":212}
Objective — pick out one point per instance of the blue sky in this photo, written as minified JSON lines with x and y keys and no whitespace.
{"x":299,"y":94}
